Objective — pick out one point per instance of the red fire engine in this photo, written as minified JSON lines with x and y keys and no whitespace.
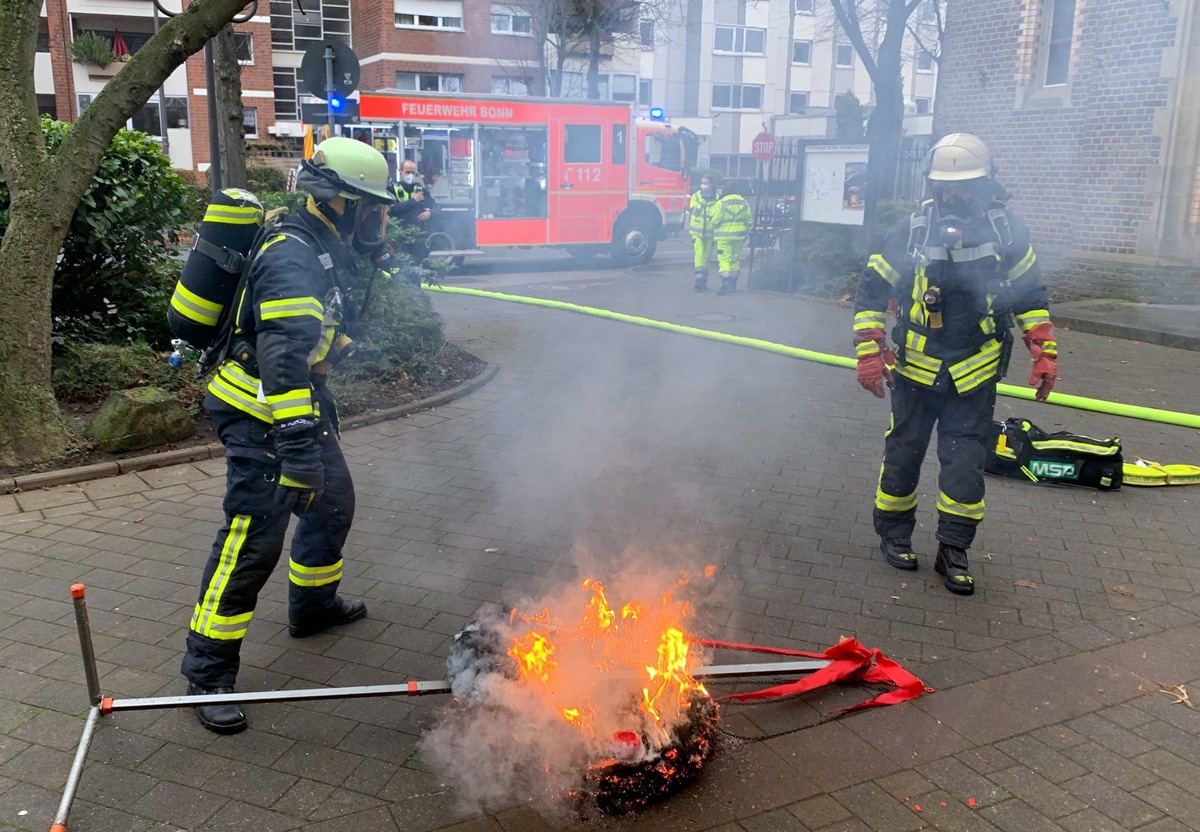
{"x":583,"y":175}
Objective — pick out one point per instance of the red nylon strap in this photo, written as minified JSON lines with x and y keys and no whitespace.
{"x":849,"y":661}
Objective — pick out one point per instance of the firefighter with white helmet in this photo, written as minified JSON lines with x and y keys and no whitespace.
{"x":959,"y":272}
{"x":278,"y":422}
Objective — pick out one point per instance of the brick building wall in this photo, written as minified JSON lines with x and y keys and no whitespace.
{"x":257,"y":90}
{"x":1084,"y":159}
{"x":485,"y":54}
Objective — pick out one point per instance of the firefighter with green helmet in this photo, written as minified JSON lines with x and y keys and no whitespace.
{"x":960,"y":271}
{"x":274,"y":414}
{"x":700,"y":225}
{"x":732,"y":221}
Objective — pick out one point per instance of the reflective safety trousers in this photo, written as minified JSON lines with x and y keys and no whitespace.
{"x":964,"y":425}
{"x":249,"y":544}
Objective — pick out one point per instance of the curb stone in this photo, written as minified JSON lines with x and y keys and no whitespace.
{"x":216,"y":450}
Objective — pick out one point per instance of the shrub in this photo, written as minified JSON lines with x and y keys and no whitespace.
{"x":115,"y":274}
{"x":88,"y":373}
{"x":92,"y":48}
{"x":265,"y":178}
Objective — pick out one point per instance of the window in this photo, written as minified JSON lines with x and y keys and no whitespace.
{"x":924,"y":105}
{"x":740,"y":40}
{"x":622,"y":88}
{"x":798,"y":104}
{"x":802,"y":52}
{"x":506,"y":85}
{"x":429,"y":14}
{"x":743,"y":166}
{"x":250,"y":122}
{"x":177,"y":112}
{"x":645,"y":92}
{"x":582,"y":144}
{"x":243,"y":45}
{"x":1062,"y":30}
{"x":663,"y":151}
{"x":295,"y":30}
{"x":647,"y":34}
{"x":804,"y":6}
{"x":429,"y":82}
{"x":620,"y":152}
{"x":929,"y":11}
{"x":845,"y":54}
{"x":146,"y":118}
{"x":511,"y":20}
{"x":572,"y":85}
{"x":513,"y":178}
{"x":924,"y":61}
{"x":737,"y":96}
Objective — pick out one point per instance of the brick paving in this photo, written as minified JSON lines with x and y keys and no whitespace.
{"x":594,"y":441}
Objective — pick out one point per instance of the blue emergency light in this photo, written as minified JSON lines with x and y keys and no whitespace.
{"x":657,"y":113}
{"x":336,"y":103}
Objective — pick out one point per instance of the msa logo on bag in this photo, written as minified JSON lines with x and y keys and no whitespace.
{"x":1047,"y":470}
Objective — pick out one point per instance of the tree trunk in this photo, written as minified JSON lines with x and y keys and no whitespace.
{"x":44,"y":190}
{"x":593,"y":75}
{"x":30,"y":425}
{"x":231,"y":135}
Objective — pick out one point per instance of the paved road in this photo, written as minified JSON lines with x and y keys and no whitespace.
{"x":602,"y":444}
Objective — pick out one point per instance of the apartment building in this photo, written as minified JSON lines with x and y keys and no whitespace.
{"x":728,"y":69}
{"x":724,"y":68}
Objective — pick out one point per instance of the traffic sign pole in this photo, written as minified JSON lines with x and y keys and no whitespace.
{"x":329,"y":91}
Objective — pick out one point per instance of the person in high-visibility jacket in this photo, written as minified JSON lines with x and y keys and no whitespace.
{"x":958,"y":272}
{"x":731,"y":226}
{"x":700,"y":225}
{"x":277,"y":419}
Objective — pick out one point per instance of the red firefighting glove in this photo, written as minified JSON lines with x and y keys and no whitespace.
{"x":873,"y":372}
{"x":1043,"y":349}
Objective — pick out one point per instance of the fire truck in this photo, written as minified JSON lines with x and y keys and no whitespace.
{"x":586,"y":176}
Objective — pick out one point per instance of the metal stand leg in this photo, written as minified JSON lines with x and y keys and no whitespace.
{"x":102,"y":705}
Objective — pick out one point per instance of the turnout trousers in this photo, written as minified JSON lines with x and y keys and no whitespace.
{"x":702,"y":251}
{"x":250,"y":541}
{"x":729,"y":255}
{"x":962,"y":423}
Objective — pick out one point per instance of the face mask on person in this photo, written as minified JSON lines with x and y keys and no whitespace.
{"x":707,"y":193}
{"x":410,"y":178}
{"x":370,"y":226}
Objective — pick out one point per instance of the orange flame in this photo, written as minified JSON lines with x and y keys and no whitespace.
{"x":610,"y":672}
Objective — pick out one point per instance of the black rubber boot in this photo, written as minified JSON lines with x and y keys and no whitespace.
{"x":701,"y":281}
{"x":220,"y":719}
{"x":952,"y":565}
{"x":728,"y":285}
{"x":899,"y":553}
{"x":346,"y":611}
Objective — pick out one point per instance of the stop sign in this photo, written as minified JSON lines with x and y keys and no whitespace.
{"x":763,"y":147}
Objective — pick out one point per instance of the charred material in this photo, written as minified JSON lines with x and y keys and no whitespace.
{"x":620,"y":787}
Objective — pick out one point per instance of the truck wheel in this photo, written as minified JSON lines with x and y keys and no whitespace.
{"x":634,"y":242}
{"x":442,"y":241}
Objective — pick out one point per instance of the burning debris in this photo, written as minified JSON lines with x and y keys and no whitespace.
{"x":584,"y":698}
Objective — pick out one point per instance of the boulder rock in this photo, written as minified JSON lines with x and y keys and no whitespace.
{"x":140,"y":418}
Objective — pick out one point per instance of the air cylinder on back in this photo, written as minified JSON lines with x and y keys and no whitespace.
{"x":214,"y":267}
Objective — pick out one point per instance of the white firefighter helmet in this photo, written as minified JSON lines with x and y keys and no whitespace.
{"x":958,"y":157}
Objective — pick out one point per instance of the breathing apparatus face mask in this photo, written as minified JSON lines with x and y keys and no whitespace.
{"x":370,"y":226}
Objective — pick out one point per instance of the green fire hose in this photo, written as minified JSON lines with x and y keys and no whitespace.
{"x":1132,"y":411}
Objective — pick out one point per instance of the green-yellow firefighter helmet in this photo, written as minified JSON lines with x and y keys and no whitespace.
{"x":958,"y":157}
{"x":354,"y":167}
